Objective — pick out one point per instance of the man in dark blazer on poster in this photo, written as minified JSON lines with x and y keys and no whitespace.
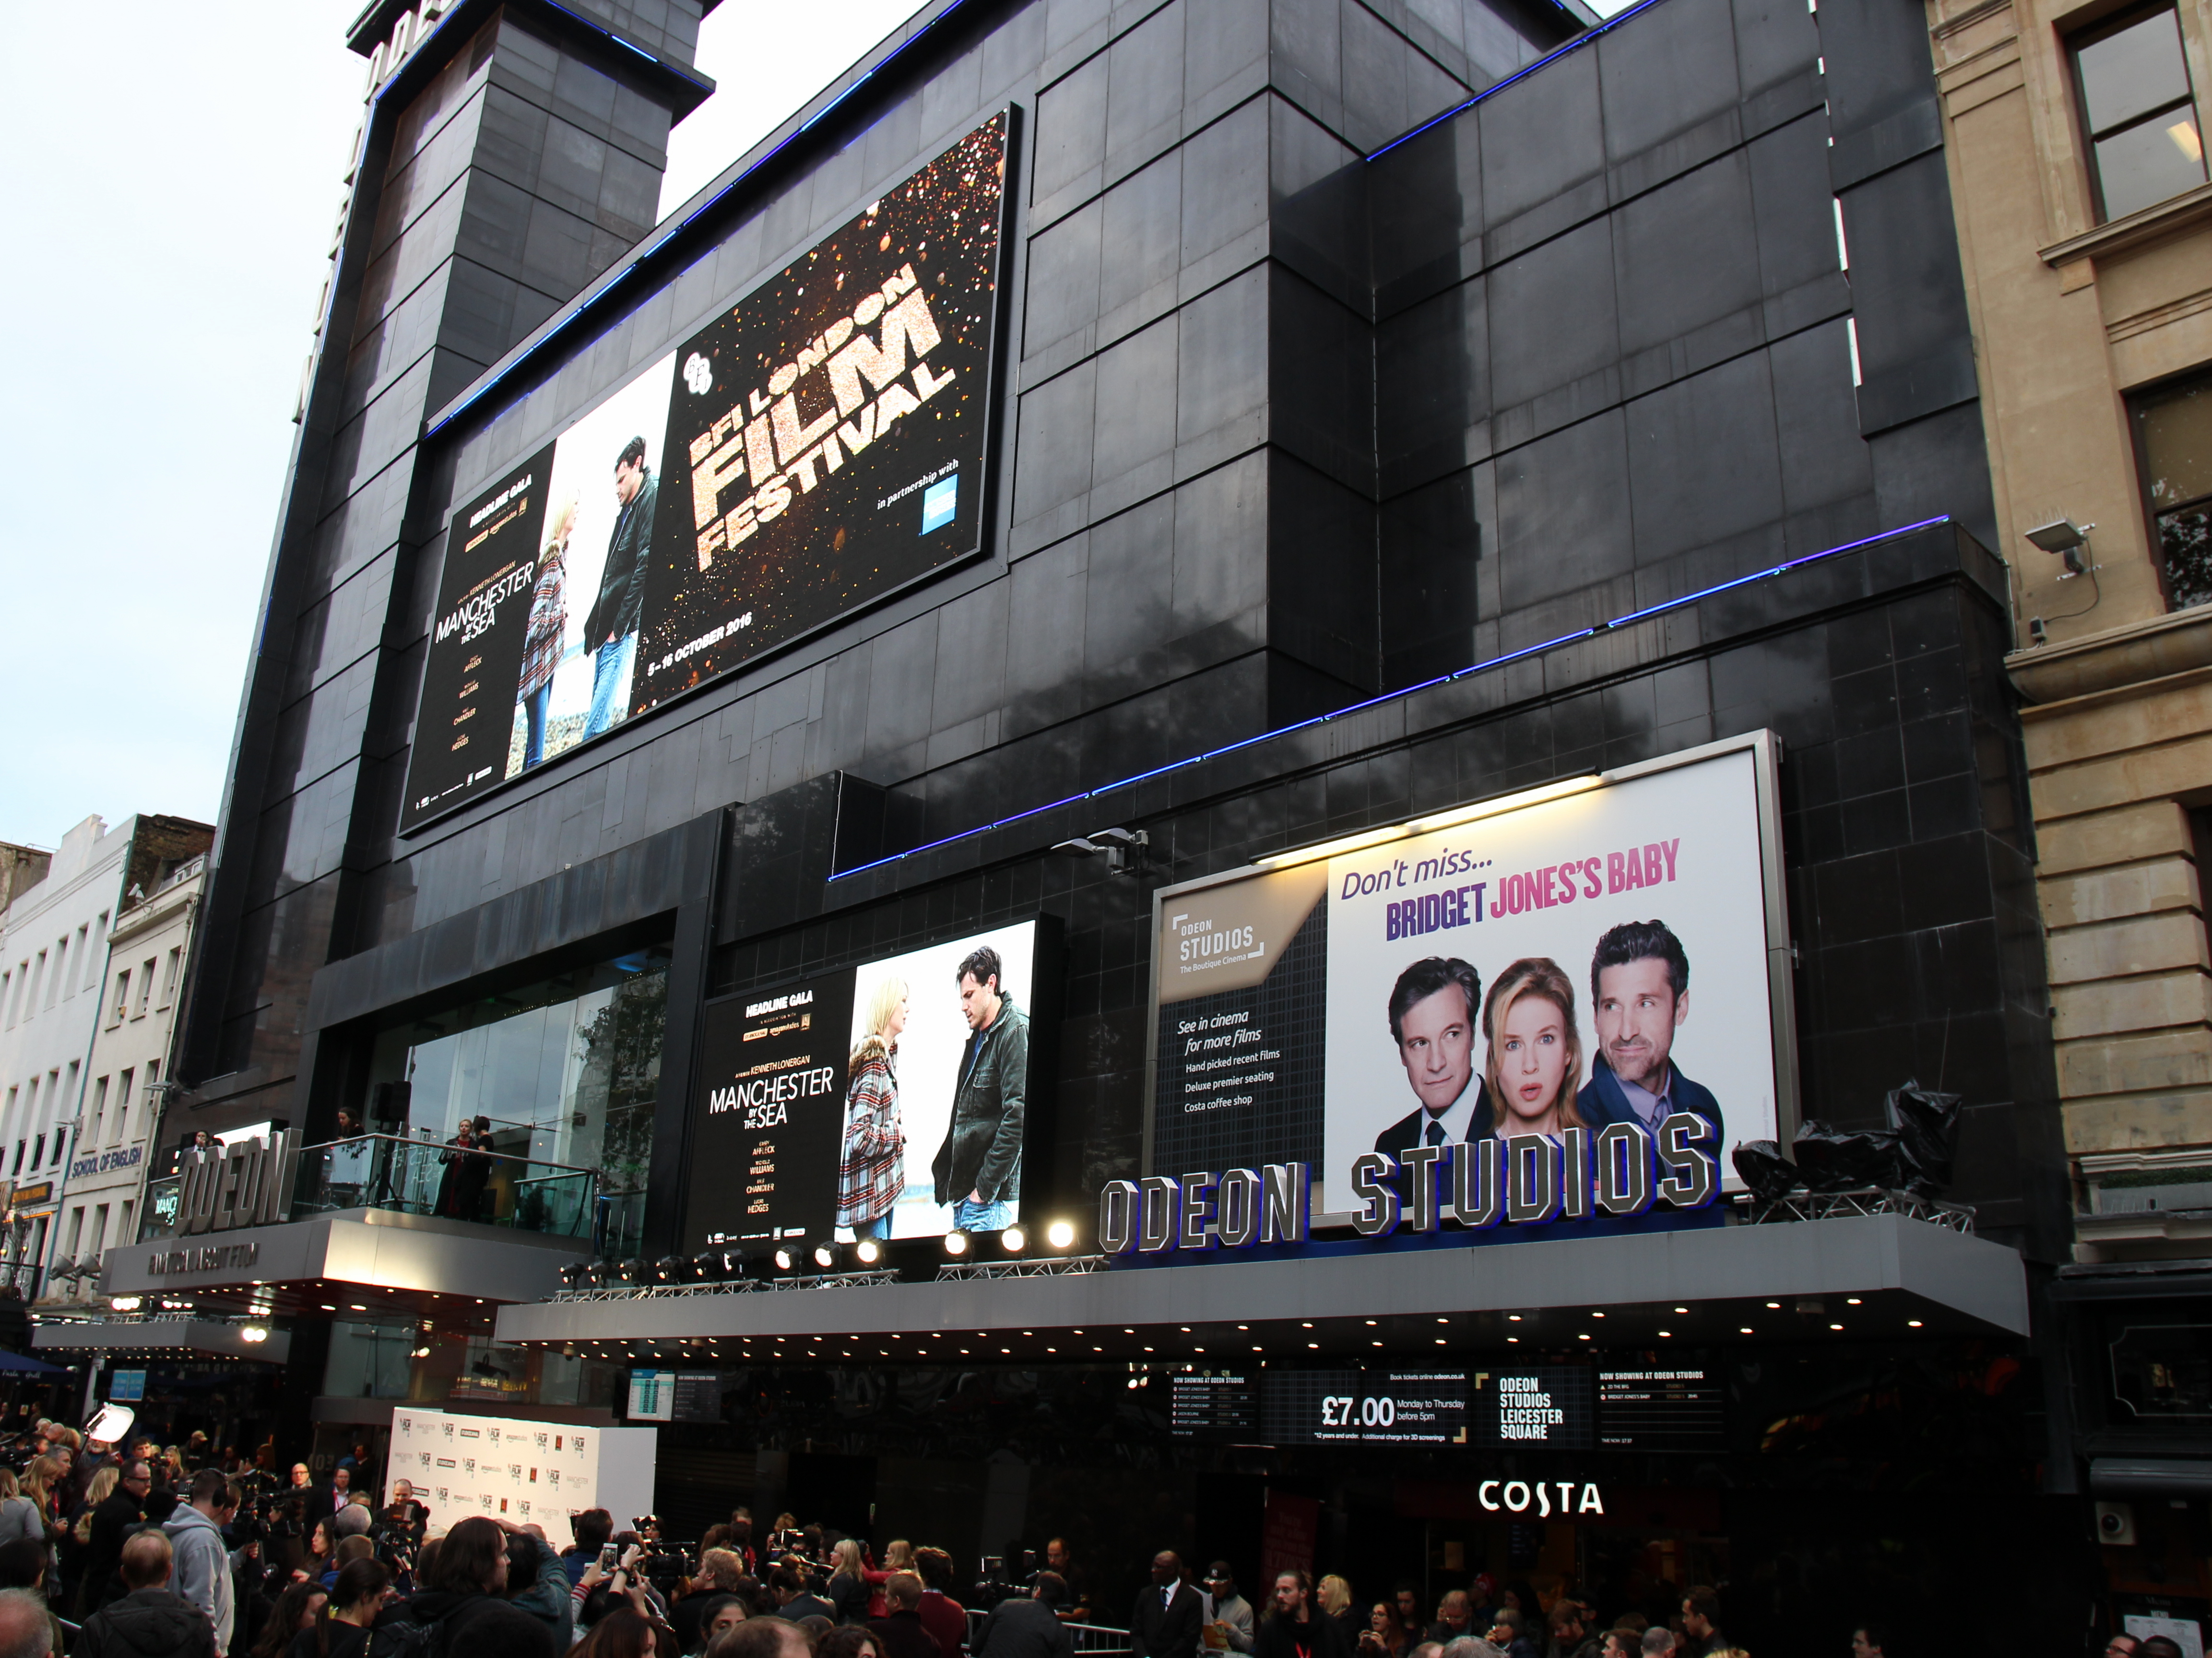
{"x":1435,"y":1008}
{"x":1640,"y":997}
{"x":1166,"y":1619}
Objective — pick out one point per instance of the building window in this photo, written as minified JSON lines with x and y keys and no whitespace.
{"x":122,"y":997}
{"x":2144,"y":145}
{"x":122,"y":1226}
{"x":91,"y":971}
{"x":169,"y":977}
{"x":145,"y":987}
{"x":2173,"y":439}
{"x":98,"y":1106}
{"x":60,"y":968}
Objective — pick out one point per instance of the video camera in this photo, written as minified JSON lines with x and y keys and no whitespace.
{"x":661,"y":1564}
{"x":267,"y":1510}
{"x":1007,"y":1576}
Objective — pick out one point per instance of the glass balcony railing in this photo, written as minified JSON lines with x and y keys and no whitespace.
{"x":424,"y":1177}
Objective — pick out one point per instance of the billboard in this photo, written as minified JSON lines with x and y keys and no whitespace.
{"x":1607,"y":949}
{"x":524,"y":1473}
{"x":865,"y":1103}
{"x":820,"y":444}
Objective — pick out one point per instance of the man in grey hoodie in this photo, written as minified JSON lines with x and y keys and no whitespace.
{"x":204,"y":1562}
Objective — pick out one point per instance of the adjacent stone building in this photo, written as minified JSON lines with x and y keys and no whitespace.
{"x":2073,"y":134}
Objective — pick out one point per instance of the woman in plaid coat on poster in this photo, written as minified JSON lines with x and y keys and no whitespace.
{"x":871,"y":1172}
{"x":545,"y":638}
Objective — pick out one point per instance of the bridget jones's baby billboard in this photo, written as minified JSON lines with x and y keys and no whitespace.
{"x":1605,"y":950}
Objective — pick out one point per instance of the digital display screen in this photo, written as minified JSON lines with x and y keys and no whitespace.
{"x":1215,"y":1405}
{"x":676,"y":1395}
{"x":1660,"y":1410}
{"x":818,"y":446}
{"x":1551,"y":1406}
{"x":838,"y":1105}
{"x":1366,"y":1407}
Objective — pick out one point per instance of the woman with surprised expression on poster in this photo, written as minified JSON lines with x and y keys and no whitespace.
{"x":1536,"y":1066}
{"x":871,"y":1171}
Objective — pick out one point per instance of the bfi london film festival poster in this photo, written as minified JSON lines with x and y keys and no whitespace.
{"x":796,"y":1114}
{"x":1275,"y":1039}
{"x":826,"y":440}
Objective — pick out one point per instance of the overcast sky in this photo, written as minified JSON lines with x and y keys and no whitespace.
{"x":168,"y":222}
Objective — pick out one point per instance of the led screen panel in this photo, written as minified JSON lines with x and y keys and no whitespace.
{"x":1603,"y":955}
{"x":861,"y":1101}
{"x":820,"y":444}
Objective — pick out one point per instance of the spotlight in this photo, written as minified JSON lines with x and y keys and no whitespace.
{"x":596,"y":1275}
{"x":826,"y":1257}
{"x":572,"y":1275}
{"x":1014,"y":1239}
{"x":786,"y":1258}
{"x":668,"y":1269}
{"x":868,"y":1252}
{"x":633,"y":1270}
{"x":1060,"y":1234}
{"x":127,"y":1304}
{"x":956,"y":1242}
{"x":256,"y":1333}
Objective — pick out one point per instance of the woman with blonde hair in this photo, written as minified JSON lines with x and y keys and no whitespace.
{"x":1336,"y":1595}
{"x":544,"y":641}
{"x":872,"y":1170}
{"x":1535,"y":1064}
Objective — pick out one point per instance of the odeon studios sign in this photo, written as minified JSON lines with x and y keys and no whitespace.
{"x":1620,"y":1171}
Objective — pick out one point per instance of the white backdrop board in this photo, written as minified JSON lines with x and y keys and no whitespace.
{"x":529,"y":1472}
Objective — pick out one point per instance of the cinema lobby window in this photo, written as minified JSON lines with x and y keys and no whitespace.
{"x":2173,"y":439}
{"x":565,"y":1069}
{"x":2137,"y":107}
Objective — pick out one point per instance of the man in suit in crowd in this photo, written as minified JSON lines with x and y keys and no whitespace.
{"x":1166,"y":1619}
{"x":1435,"y":1010}
{"x":1640,"y":997}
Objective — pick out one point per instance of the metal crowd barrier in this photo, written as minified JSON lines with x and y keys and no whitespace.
{"x":1089,"y":1637}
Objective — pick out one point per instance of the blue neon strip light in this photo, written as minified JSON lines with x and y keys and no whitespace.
{"x":1485,"y":666}
{"x":554,"y":329}
{"x":1551,"y":57}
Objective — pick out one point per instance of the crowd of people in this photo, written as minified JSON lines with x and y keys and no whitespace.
{"x":1302,"y":1618}
{"x":133,"y":1552}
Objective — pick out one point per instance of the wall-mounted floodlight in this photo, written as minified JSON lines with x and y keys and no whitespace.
{"x":1127,"y":851}
{"x":2066,"y":538}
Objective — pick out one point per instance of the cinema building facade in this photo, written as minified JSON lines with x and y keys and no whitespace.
{"x":1344,"y":581}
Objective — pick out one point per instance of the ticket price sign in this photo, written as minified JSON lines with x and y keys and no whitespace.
{"x":1367,"y":1407}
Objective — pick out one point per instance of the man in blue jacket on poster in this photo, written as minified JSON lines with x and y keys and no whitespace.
{"x":1640,"y":994}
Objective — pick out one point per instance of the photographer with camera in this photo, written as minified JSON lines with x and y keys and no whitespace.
{"x":594,"y":1529}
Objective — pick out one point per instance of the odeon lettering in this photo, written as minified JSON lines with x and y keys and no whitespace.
{"x":1620,"y":1171}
